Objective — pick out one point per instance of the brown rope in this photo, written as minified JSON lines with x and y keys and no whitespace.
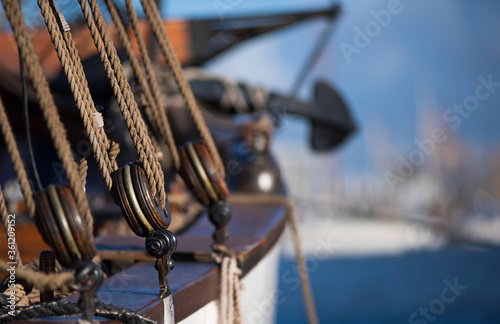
{"x":124,"y":96}
{"x":5,"y":220}
{"x":134,"y":61}
{"x":154,"y":18}
{"x":163,"y":122}
{"x":20,"y":297}
{"x":134,"y":21}
{"x":47,"y":105}
{"x":162,"y":118}
{"x":72,"y":66}
{"x":230,"y":305}
{"x":304,"y":276}
{"x":83,"y":167}
{"x":84,"y":161}
{"x":17,"y":161}
{"x":112,"y":147}
{"x":41,"y":280}
{"x":150,"y":91}
{"x":145,"y":94}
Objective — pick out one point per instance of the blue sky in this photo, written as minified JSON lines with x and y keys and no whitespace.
{"x":428,"y":58}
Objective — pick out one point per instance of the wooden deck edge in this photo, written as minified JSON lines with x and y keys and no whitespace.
{"x":194,"y":283}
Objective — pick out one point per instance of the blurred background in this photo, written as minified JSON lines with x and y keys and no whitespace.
{"x":401,"y":223}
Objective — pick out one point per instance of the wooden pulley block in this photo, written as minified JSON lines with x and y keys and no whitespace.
{"x":62,"y":227}
{"x":199,"y":173}
{"x":142,"y":211}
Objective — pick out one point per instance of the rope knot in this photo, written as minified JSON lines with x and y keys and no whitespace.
{"x":221,"y":251}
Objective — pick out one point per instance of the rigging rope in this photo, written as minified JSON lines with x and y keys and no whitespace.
{"x":163,"y":121}
{"x":41,"y":280}
{"x":17,"y":161}
{"x":145,"y":95}
{"x":5,"y":220}
{"x":230,"y":306}
{"x":27,"y":126}
{"x":150,"y":89}
{"x":230,"y":300}
{"x":124,"y":97}
{"x":154,"y":18}
{"x":68,"y":308}
{"x":70,"y":61}
{"x":303,"y":274}
{"x":51,"y":115}
{"x":20,"y":297}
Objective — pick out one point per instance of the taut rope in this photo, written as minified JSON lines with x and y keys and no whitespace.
{"x":304,"y":276}
{"x":229,"y":281}
{"x":154,"y":18}
{"x":58,"y":134}
{"x":150,"y":90}
{"x":125,"y":98}
{"x":230,"y":306}
{"x":112,"y":312}
{"x":51,"y":115}
{"x":104,"y":150}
